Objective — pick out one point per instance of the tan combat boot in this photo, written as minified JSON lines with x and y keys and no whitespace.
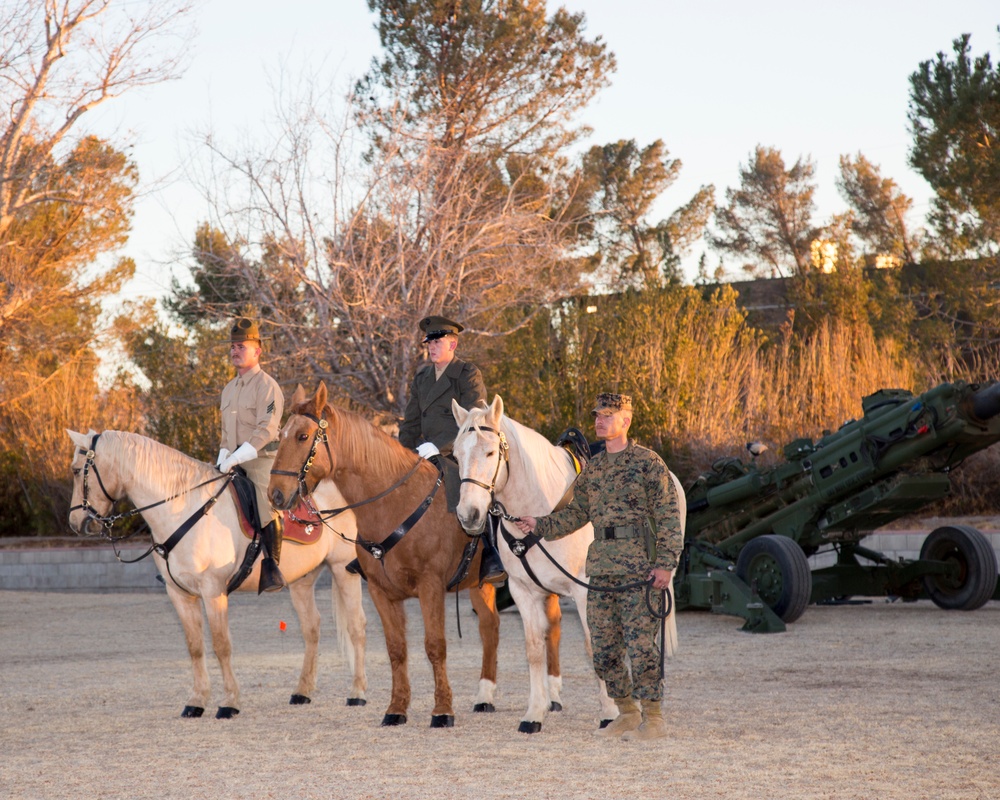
{"x":628,"y":719}
{"x":653,"y":726}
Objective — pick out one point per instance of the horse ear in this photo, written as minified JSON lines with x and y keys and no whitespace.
{"x":321,"y":396}
{"x":496,"y":410}
{"x":299,"y":396}
{"x":79,"y":439}
{"x":461,"y":414}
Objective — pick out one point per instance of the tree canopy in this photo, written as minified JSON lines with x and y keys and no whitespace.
{"x":954,"y":117}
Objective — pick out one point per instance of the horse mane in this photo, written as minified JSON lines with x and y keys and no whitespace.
{"x":149,"y":457}
{"x":372,"y":449}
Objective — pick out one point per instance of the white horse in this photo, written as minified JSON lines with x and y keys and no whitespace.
{"x":503,"y":459}
{"x":197,"y":568}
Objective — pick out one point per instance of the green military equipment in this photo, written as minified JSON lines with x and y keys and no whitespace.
{"x":750,"y":531}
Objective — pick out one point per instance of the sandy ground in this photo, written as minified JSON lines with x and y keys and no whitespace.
{"x":863,"y":701}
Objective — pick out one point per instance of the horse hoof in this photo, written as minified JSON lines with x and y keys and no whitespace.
{"x":443,"y":721}
{"x":356,"y":701}
{"x":390,"y":720}
{"x":554,"y":706}
{"x":606,"y":722}
{"x":299,"y":700}
{"x":484,"y":708}
{"x":529,"y":727}
{"x":192,"y":711}
{"x":226,"y":712}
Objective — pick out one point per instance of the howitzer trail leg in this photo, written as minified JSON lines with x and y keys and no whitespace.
{"x":628,"y":719}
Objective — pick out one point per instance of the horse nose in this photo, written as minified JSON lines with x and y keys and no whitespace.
{"x":471,"y":520}
{"x":277,"y":498}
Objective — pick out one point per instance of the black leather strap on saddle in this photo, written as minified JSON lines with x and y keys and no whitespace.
{"x":246,"y":493}
{"x":377,"y":550}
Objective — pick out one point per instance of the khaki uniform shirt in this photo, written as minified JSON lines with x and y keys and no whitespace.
{"x":428,"y":416}
{"x":621,"y":489}
{"x":252,"y":405}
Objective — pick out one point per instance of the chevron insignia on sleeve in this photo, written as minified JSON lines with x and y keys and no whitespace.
{"x":270,"y":407}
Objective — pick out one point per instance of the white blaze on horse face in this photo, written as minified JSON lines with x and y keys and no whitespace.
{"x":478,"y":454}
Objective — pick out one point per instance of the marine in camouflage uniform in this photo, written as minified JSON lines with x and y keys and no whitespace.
{"x":627,"y":493}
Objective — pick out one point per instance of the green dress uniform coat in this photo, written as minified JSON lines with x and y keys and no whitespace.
{"x":428,"y":416}
{"x":619,"y":492}
{"x":252,"y":405}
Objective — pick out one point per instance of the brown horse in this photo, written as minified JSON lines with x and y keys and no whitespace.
{"x":416,"y":543}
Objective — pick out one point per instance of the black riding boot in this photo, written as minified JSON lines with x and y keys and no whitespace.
{"x":271,"y":579}
{"x":490,"y":566}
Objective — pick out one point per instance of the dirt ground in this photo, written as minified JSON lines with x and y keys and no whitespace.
{"x":874,"y":700}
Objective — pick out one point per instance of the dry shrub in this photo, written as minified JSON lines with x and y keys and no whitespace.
{"x":36,"y":450}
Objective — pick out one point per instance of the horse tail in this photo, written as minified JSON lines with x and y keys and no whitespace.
{"x":344,"y":644}
{"x":670,"y":625}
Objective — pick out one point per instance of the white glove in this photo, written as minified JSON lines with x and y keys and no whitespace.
{"x":223,"y":455}
{"x":427,"y":449}
{"x":245,"y":452}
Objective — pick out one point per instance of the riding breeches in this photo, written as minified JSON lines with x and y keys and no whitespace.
{"x":259,"y":472}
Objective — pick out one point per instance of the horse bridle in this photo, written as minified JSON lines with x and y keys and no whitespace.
{"x":319,"y":437}
{"x":89,"y":464}
{"x":503,"y":457}
{"x":377,"y":550}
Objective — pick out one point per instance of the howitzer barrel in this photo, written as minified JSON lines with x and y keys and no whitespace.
{"x":986,"y":402}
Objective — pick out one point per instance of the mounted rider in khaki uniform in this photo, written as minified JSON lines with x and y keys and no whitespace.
{"x":252,"y":405}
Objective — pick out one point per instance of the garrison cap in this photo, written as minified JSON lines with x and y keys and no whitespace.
{"x":436,"y":327}
{"x":606,"y":401}
{"x":244,"y":330}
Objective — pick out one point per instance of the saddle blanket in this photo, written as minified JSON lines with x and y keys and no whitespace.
{"x":302,"y":526}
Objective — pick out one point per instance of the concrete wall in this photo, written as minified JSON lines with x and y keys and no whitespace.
{"x":96,"y":569}
{"x":81,"y":569}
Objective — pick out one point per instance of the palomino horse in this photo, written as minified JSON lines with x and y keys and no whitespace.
{"x":395,"y":493}
{"x":171,"y":489}
{"x":504,"y":463}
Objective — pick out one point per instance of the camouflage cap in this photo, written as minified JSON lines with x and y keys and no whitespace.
{"x":610,"y":402}
{"x":244,"y":330}
{"x":436,"y":327}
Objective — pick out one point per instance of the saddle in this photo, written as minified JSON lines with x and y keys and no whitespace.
{"x":302,"y":525}
{"x":581,"y":451}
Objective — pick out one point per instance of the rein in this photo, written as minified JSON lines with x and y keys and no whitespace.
{"x":109,"y":521}
{"x":163,"y":550}
{"x":520,"y":548}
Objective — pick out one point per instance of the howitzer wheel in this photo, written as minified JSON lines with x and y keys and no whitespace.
{"x":977,"y":567}
{"x":779,"y":570}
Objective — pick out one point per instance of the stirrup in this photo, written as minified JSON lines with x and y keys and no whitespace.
{"x":491,"y":567}
{"x":271,"y":579}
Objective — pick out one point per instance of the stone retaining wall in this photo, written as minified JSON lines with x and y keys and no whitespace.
{"x":95,"y":569}
{"x":81,"y":569}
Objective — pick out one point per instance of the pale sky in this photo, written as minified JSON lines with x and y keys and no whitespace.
{"x":712,"y":80}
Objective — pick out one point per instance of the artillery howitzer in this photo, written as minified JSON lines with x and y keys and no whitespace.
{"x":750,"y":530}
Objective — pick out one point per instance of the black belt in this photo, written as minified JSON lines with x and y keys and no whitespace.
{"x":623,"y":532}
